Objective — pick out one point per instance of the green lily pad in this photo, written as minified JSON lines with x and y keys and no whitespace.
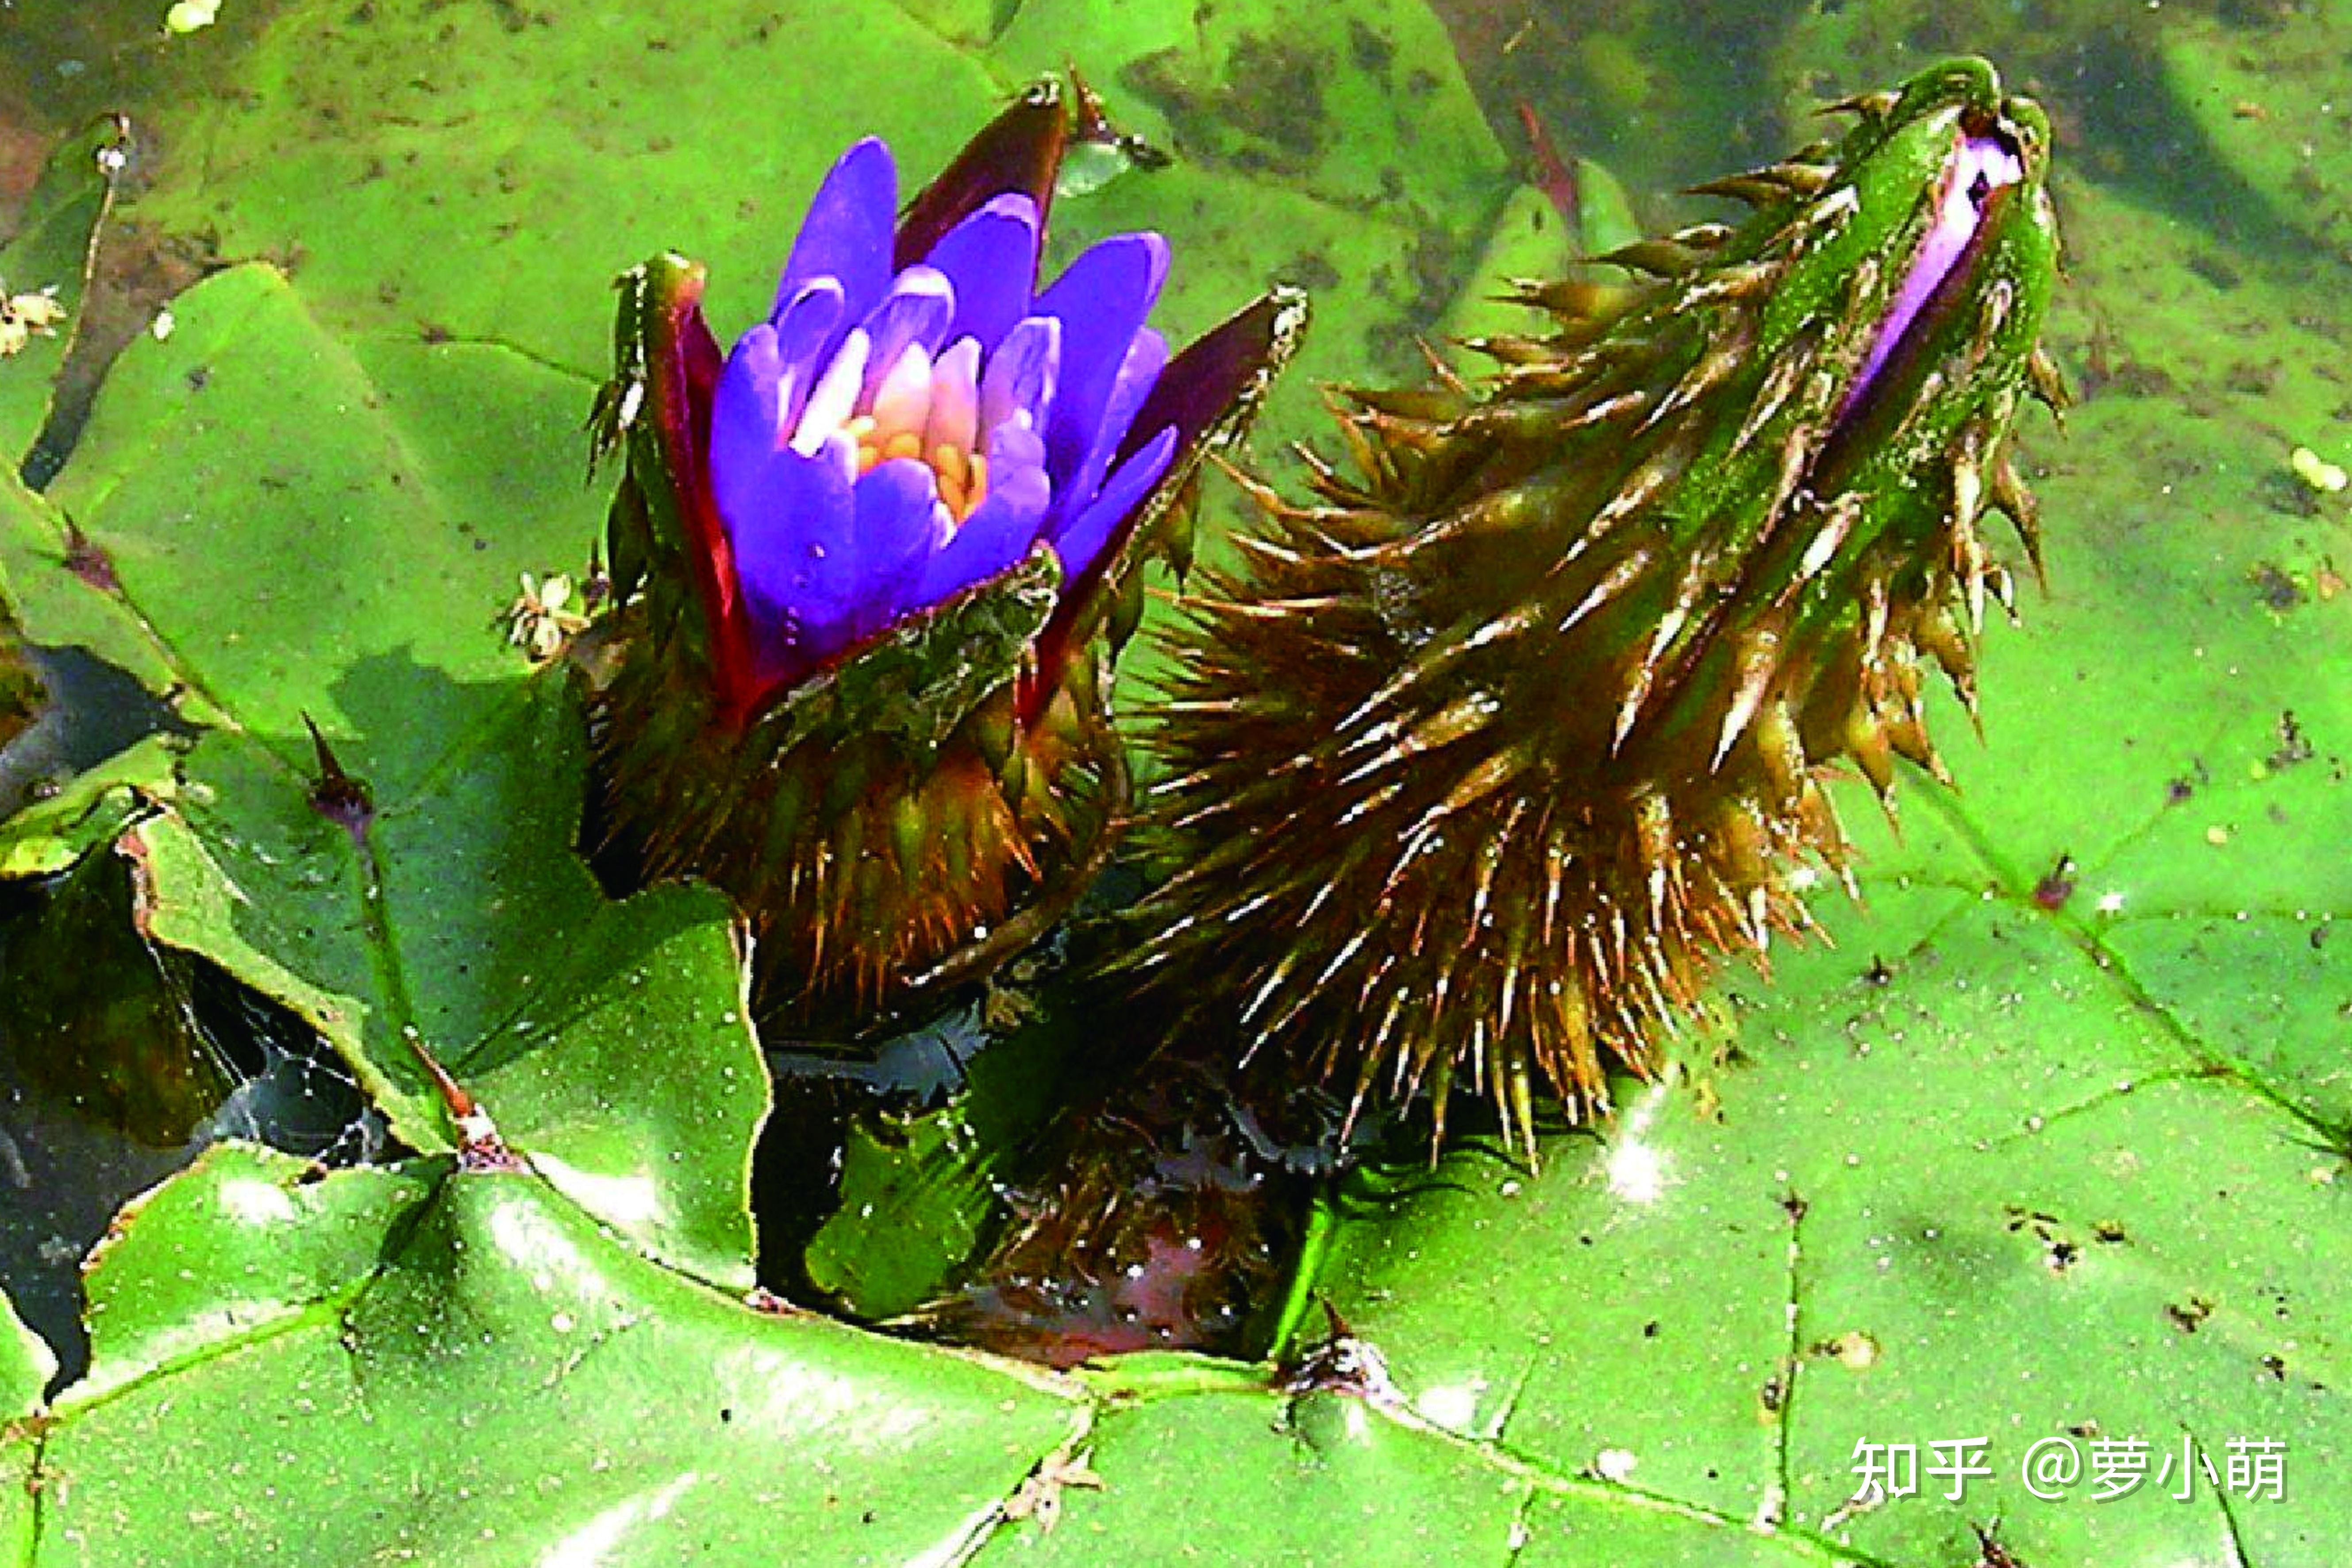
{"x":1346,"y":157}
{"x":1331,"y":1478}
{"x":271,"y":497}
{"x":25,"y":1367}
{"x":2264,"y":97}
{"x":48,"y":835}
{"x":920,"y":1189}
{"x":1368,"y":111}
{"x":422,"y":923}
{"x":914,"y":1202}
{"x":58,"y":590}
{"x":49,"y":255}
{"x":554,"y":146}
{"x":459,"y":1367}
{"x":433,"y":933}
{"x":475,"y":175}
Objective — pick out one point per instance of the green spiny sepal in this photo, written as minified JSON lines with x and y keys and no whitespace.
{"x":1481,"y":759}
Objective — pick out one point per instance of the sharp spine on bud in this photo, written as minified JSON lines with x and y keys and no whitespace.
{"x":1802,"y":178}
{"x":1873,"y":105}
{"x":2016,"y":503}
{"x":1660,"y":258}
{"x":2048,"y":381}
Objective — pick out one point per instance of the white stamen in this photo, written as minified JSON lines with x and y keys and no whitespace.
{"x":836,"y":394}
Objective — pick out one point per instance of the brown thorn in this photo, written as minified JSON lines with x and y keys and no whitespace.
{"x":479,"y":1146}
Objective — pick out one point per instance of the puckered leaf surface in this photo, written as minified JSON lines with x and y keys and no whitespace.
{"x":450,"y":1367}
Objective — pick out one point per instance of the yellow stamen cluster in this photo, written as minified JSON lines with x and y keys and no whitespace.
{"x":962,"y":477}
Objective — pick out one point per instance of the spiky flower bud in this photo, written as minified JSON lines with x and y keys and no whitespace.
{"x":870,"y":562}
{"x":1480,"y":762}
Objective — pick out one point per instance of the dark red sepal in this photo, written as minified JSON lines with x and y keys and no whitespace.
{"x":667,"y":357}
{"x":1018,"y":152}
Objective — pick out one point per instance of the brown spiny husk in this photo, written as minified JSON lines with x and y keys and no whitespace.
{"x":873,"y":861}
{"x":1478,"y":762}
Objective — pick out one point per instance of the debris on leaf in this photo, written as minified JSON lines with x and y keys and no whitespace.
{"x":1039,"y":1495}
{"x":2057,"y":885}
{"x":23,"y":316}
{"x":1615,"y":1465}
{"x":1854,"y":1350}
{"x":1991,"y":1553}
{"x":1341,"y":1364}
{"x":187,"y":16}
{"x":480,"y":1146}
{"x":544,"y":617}
{"x":2316,"y":471}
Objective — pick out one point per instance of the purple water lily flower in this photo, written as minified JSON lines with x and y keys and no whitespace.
{"x":842,"y":679}
{"x":890,"y":436}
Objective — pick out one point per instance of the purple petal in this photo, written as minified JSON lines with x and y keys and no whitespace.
{"x":899,"y":522}
{"x":1101,"y":301}
{"x":847,"y":232}
{"x":1001,"y":528}
{"x":1020,"y":376}
{"x":744,"y":413}
{"x":790,"y":526}
{"x":916,"y":310}
{"x":1015,"y":449}
{"x":1145,"y":358}
{"x":1984,"y":163}
{"x":803,"y":330}
{"x":1079,"y":543}
{"x":991,"y":258}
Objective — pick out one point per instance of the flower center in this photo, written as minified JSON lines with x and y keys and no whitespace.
{"x":915,"y":406}
{"x":960,"y":474}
